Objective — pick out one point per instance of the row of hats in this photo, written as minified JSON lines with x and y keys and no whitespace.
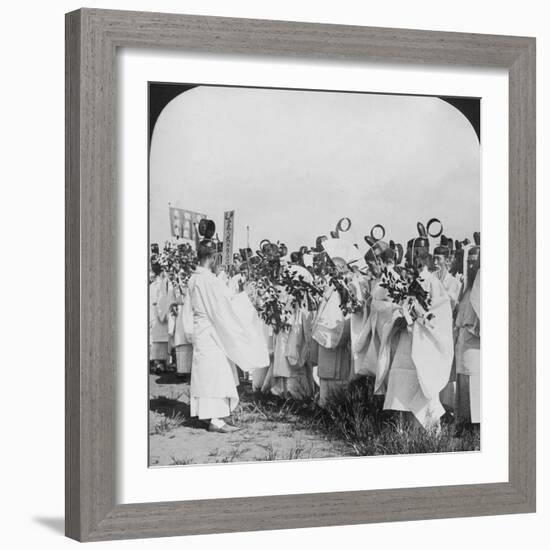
{"x":379,"y":248}
{"x":448,"y":247}
{"x":342,"y":251}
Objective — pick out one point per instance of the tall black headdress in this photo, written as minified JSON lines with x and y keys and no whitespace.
{"x":445,"y":247}
{"x":375,"y":242}
{"x":421,"y":244}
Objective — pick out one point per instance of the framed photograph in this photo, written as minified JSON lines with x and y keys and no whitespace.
{"x":275,"y":310}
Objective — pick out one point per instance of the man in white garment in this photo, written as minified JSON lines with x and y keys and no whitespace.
{"x":451,"y":284}
{"x":421,"y":365}
{"x":372,"y":348}
{"x":453,"y":287}
{"x":183,"y":335}
{"x":221,"y":339}
{"x":161,"y":297}
{"x":333,"y":330}
{"x":290,"y":375}
{"x":467,"y":350}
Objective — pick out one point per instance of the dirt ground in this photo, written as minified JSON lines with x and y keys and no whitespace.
{"x":176,"y":439}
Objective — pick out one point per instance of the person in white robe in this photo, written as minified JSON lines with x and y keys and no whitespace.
{"x":453,"y":287}
{"x":468,"y":401}
{"x":183,"y":334}
{"x":372,"y":347}
{"x":290,"y":375}
{"x":452,"y":284}
{"x":221,"y":339}
{"x":258,"y":375}
{"x":161,"y":298}
{"x":360,"y":284}
{"x":238,"y":281}
{"x":332,"y":329}
{"x":422,"y":361}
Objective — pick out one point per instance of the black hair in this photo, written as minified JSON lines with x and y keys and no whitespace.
{"x":205,"y":250}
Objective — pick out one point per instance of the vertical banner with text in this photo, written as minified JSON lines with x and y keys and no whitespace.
{"x":228,"y":226}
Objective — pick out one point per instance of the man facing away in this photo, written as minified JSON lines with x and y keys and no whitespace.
{"x":221,"y":339}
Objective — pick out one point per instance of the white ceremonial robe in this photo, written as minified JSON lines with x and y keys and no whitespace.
{"x":334,"y":367}
{"x":183,"y":335}
{"x":221,"y":338}
{"x":234,"y":283}
{"x":452,"y":286}
{"x":258,"y":375}
{"x":359,"y":285}
{"x":331,"y":331}
{"x":372,"y":347}
{"x":468,"y":399}
{"x":422,"y":362}
{"x":328,"y":325}
{"x":161,"y":296}
{"x":289,"y":374}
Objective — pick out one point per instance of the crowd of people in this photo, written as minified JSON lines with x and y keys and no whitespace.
{"x":306,"y":324}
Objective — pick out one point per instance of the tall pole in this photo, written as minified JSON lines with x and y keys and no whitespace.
{"x":247,"y":236}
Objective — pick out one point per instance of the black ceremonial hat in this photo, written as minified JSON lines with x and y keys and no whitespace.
{"x":296,"y":257}
{"x":442,"y":250}
{"x":419,"y":244}
{"x":319,"y":243}
{"x":376,"y":244}
{"x":207,"y":228}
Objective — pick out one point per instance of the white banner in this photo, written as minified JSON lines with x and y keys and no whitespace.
{"x":228,"y":226}
{"x":182,"y":223}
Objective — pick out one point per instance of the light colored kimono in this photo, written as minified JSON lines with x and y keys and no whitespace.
{"x":331,"y":331}
{"x":372,"y":346}
{"x":222,"y":337}
{"x":468,"y":398}
{"x":183,"y":335}
{"x":161,"y":296}
{"x":234,"y":283}
{"x":453,"y":286}
{"x":422,"y":362}
{"x":264,"y":331}
{"x":360,"y":286}
{"x":290,"y":374}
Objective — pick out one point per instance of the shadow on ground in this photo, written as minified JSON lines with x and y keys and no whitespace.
{"x":57,"y":525}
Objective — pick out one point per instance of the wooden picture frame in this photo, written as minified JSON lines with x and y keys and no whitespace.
{"x":92,"y":39}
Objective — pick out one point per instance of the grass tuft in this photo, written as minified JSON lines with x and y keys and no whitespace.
{"x":180,"y":461}
{"x":168,"y":423}
{"x":356,"y":417}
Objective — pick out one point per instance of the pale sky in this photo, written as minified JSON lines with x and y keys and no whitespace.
{"x":292,"y":163}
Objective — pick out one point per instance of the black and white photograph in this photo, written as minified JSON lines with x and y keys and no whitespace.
{"x":314,"y":274}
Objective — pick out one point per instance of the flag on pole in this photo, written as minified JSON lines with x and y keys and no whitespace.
{"x":183,"y":223}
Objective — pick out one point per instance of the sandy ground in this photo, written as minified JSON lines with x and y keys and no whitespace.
{"x":176,"y":439}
